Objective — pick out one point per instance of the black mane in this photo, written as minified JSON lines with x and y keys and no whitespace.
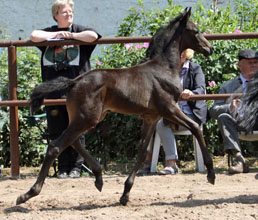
{"x":162,"y":37}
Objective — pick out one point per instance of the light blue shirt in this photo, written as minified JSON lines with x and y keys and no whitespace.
{"x":244,"y":80}
{"x":240,"y":109}
{"x":183,"y":104}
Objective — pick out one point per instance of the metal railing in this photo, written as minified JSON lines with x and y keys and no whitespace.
{"x":13,"y":103}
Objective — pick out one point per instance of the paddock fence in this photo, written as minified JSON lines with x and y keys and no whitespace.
{"x":13,"y":103}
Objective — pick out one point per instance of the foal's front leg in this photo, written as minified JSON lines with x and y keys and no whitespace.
{"x":147,"y":131}
{"x":52,"y":153}
{"x":196,"y":131}
{"x":178,"y":117}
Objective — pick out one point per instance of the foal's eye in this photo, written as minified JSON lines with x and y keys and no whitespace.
{"x":196,"y":30}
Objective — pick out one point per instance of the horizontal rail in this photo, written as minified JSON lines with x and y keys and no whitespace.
{"x":22,"y":103}
{"x":112,"y":40}
{"x":212,"y":97}
{"x":106,"y":40}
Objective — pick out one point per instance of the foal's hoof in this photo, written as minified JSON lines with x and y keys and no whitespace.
{"x":124,"y":200}
{"x":211,"y":177}
{"x":99,"y":182}
{"x":98,"y":185}
{"x":20,"y":200}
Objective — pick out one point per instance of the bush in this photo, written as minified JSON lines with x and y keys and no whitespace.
{"x":31,"y":146}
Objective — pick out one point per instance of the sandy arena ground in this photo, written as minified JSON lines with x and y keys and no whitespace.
{"x":182,"y":196}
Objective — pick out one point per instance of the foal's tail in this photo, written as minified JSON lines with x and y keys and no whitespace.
{"x":250,"y":105}
{"x":40,"y":92}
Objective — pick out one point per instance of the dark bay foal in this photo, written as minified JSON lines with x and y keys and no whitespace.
{"x":150,"y":89}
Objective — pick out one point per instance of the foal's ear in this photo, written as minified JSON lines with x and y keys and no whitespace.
{"x":187,"y":12}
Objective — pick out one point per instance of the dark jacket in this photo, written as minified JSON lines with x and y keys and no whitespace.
{"x":222,"y":106}
{"x":194,"y":80}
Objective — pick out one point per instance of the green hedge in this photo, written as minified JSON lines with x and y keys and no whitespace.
{"x":31,"y":146}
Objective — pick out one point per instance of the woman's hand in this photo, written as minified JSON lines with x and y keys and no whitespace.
{"x":63,"y":35}
{"x":186,"y":94}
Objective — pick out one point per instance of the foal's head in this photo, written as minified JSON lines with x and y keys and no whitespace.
{"x":193,"y":38}
{"x":177,"y":36}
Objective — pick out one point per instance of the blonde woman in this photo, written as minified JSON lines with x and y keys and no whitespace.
{"x":193,"y":82}
{"x":68,"y":61}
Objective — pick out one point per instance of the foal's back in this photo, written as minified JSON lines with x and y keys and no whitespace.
{"x":127,"y":90}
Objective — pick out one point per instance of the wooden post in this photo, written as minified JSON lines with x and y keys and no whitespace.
{"x":14,"y":141}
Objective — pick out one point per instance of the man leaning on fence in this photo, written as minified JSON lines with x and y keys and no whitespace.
{"x":223,"y":110}
{"x":68,"y":61}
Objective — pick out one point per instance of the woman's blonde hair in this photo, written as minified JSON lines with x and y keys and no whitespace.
{"x":189,"y":53}
{"x":60,"y":3}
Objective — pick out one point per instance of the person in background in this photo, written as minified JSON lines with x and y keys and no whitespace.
{"x":193,"y":82}
{"x":0,"y":55}
{"x":223,"y":111}
{"x":67,"y":61}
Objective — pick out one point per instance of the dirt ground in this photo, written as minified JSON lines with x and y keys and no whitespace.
{"x":186,"y":195}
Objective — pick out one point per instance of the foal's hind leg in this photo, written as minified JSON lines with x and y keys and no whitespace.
{"x":67,"y":138}
{"x":95,"y":166}
{"x":147,"y":131}
{"x":74,"y":130}
{"x":52,"y":153}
